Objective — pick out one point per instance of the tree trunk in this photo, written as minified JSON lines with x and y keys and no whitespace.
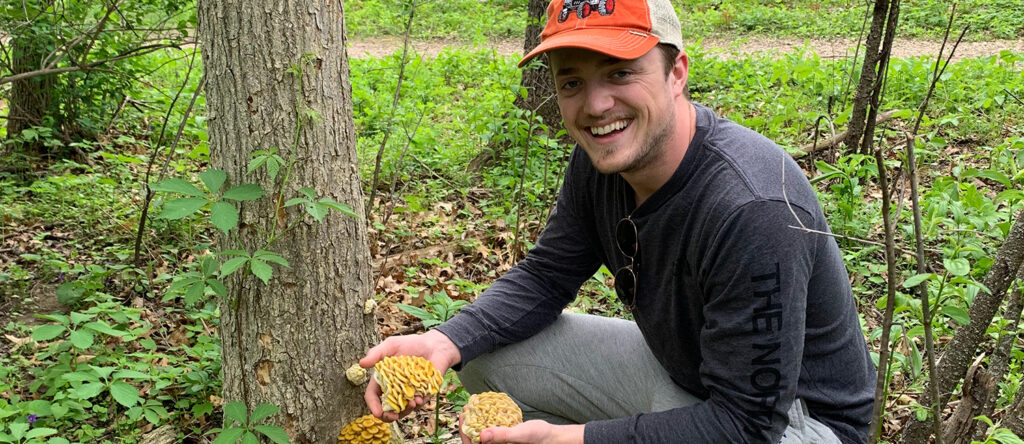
{"x":289,"y":342}
{"x":30,"y":98}
{"x":958,"y":354}
{"x":862,"y":97}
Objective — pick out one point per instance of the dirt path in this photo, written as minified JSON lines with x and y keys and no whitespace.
{"x":726,"y":48}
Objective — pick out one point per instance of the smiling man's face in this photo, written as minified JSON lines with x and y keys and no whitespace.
{"x":621,"y":112}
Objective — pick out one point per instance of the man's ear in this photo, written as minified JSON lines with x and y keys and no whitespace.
{"x":680,"y":73}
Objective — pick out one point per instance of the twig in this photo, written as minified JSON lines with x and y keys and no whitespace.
{"x":1014,"y":97}
{"x":890,"y":304}
{"x":836,"y":139}
{"x":922,"y":288}
{"x":859,"y":240}
{"x":135,"y":52}
{"x":394,"y":107}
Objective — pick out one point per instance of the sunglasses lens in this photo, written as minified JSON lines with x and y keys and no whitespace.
{"x":625,"y":283}
{"x":625,"y":237}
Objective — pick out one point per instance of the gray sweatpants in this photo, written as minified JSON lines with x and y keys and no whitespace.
{"x":584,"y":368}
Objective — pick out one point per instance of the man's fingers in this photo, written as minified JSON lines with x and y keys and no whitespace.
{"x":373,"y":355}
{"x":372,"y":398}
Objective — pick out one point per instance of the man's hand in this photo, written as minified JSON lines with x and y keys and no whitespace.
{"x":432,"y":345}
{"x":529,"y":432}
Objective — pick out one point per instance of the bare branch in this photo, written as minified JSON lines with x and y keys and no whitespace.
{"x":135,"y":52}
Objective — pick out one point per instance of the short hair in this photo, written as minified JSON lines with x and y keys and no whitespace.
{"x":669,"y":53}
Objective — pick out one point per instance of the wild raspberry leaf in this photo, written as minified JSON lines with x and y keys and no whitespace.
{"x":213,"y":179}
{"x":244,"y":192}
{"x":224,"y":216}
{"x":180,"y":208}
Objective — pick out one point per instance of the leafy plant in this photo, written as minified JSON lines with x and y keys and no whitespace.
{"x":437,"y":309}
{"x":238,"y":424}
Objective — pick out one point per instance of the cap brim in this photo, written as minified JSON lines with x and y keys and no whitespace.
{"x":618,"y":43}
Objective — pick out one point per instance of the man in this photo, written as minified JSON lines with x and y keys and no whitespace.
{"x":746,"y":329}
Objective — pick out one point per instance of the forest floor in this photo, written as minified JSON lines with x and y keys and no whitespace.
{"x":732,"y":47}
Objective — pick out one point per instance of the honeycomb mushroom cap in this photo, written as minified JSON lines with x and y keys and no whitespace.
{"x":489,"y":409}
{"x":366,"y":429}
{"x":402,"y":378}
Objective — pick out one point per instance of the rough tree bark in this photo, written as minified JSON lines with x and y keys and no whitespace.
{"x":960,"y":352}
{"x":981,"y":386}
{"x":862,"y":96}
{"x":288,"y":343}
{"x":31,"y":98}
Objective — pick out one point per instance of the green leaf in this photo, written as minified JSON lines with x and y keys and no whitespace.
{"x":335,"y":205}
{"x":102,"y":326}
{"x":124,"y":393}
{"x":956,"y":313}
{"x":296,"y":201}
{"x":236,"y":411}
{"x":250,"y":438}
{"x":47,"y":332}
{"x":69,"y":293}
{"x":19,"y":429}
{"x":916,"y":279}
{"x":262,"y":411}
{"x":317,"y":211}
{"x":89,"y":391}
{"x":275,"y":433}
{"x":180,"y":208}
{"x":131,"y":374}
{"x":58,"y":440}
{"x":957,"y":266}
{"x":270,"y":256}
{"x":55,"y":318}
{"x":218,"y":287}
{"x":233,"y":253}
{"x":151,"y":416}
{"x":59,"y":410}
{"x":229,"y":436}
{"x":81,"y":339}
{"x":80,"y":377}
{"x":261,"y":270}
{"x":417,"y":312}
{"x":232,"y":265}
{"x":40,"y":432}
{"x":175,"y":185}
{"x":78,"y":318}
{"x":244,"y":192}
{"x":224,"y":216}
{"x":213,"y":179}
{"x":308,"y":192}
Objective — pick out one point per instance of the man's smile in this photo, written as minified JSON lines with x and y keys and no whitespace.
{"x":617,"y":125}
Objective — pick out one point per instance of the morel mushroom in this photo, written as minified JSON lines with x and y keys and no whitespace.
{"x":489,"y":409}
{"x":402,"y":378}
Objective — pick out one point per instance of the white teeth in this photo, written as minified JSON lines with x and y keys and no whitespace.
{"x":602,"y":130}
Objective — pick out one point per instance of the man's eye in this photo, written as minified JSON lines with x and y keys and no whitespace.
{"x":570,"y":84}
{"x":621,"y":74}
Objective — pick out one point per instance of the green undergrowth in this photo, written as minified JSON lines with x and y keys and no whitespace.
{"x":473,"y":20}
{"x":122,"y":353}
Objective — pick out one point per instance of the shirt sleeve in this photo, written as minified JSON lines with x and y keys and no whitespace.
{"x":531,"y":295}
{"x":754,"y":280}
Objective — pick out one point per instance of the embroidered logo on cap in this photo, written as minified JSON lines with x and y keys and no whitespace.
{"x":583,"y":8}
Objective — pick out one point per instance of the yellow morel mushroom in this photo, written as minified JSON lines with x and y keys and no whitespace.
{"x":403,"y":378}
{"x":489,"y":409}
{"x":365,"y":429}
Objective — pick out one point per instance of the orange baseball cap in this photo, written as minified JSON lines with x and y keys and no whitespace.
{"x":624,"y":29}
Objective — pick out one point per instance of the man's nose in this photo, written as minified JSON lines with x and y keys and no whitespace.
{"x":598,"y":101}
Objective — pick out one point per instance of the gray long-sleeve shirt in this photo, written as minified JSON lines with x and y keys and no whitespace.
{"x":743,"y":311}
